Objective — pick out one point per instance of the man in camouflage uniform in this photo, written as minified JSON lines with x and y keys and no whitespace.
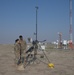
{"x":17,"y":51}
{"x":23,"y":48}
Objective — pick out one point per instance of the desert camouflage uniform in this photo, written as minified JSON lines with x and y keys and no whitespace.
{"x":23,"y":50}
{"x":17,"y":52}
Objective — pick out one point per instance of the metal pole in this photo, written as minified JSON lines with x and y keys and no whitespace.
{"x":36,"y":21}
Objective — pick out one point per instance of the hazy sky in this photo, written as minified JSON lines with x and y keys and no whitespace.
{"x":18,"y":17}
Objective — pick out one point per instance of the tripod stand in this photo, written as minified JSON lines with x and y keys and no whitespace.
{"x":33,"y":57}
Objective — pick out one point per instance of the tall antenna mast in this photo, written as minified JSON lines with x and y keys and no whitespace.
{"x":36,"y":21}
{"x":71,"y":38}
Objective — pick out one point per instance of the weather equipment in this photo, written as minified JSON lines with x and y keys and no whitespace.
{"x":34,"y":49}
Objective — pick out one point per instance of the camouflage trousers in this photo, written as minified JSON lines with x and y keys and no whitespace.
{"x":17,"y":58}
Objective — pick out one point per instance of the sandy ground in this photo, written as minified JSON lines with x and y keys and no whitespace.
{"x":62,"y":59}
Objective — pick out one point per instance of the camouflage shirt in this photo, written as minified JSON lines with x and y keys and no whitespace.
{"x":16,"y":48}
{"x":23,"y":45}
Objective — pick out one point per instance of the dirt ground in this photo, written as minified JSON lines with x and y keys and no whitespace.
{"x":63,"y":61}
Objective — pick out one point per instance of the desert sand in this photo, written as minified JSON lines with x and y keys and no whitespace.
{"x":63,"y":61}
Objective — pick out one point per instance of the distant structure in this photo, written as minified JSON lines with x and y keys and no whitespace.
{"x":60,"y":39}
{"x":70,"y":31}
